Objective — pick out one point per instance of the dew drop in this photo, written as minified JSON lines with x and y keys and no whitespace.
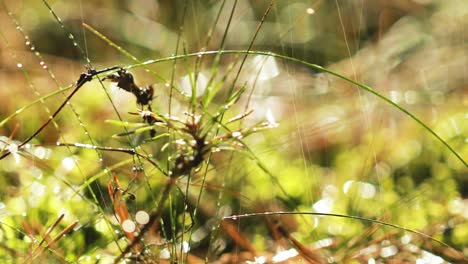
{"x":28,"y":43}
{"x":86,"y":133}
{"x":33,"y":48}
{"x":19,"y":65}
{"x":42,"y":63}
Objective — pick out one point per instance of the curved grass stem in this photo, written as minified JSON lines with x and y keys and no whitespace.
{"x":322,"y":69}
{"x":353,"y":217}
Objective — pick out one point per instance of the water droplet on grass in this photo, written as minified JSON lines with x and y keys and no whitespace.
{"x":19,"y":65}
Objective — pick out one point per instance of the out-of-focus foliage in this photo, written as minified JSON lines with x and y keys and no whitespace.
{"x":337,"y":149}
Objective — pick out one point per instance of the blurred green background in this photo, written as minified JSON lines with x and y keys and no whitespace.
{"x":337,"y":149}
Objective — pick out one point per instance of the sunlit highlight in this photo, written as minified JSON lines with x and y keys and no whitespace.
{"x":68,"y":163}
{"x":187,"y":82}
{"x":128,"y":226}
{"x":266,"y":66}
{"x":271,"y":119}
{"x":285,"y":255}
{"x":363,"y":189}
{"x":142,"y":217}
{"x":324,"y":205}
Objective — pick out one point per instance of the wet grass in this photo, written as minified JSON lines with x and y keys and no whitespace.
{"x":202,"y":170}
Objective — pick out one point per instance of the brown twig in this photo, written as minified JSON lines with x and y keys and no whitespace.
{"x":84,"y":78}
